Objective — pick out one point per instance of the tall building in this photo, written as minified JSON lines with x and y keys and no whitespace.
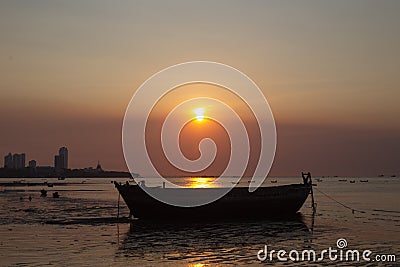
{"x":61,"y":160}
{"x":18,"y":161}
{"x":57,"y":163}
{"x":8,"y":161}
{"x":63,"y":152}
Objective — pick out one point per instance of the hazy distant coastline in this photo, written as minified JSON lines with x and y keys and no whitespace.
{"x":50,"y":172}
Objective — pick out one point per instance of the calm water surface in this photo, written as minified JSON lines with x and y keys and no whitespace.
{"x":80,"y":228}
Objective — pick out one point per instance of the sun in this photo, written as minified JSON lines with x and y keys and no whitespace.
{"x":199,"y":113}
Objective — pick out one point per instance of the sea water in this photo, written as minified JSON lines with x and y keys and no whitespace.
{"x":81,"y":227}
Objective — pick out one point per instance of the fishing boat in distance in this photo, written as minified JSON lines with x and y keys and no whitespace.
{"x":364,"y":181}
{"x":265,"y":202}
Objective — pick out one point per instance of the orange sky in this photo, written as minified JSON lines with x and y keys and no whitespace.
{"x":330,"y":72}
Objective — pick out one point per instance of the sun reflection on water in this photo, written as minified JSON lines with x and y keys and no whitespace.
{"x":196,"y":265}
{"x":200,"y":182}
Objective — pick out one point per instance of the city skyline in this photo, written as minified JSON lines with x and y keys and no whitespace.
{"x":18,"y":160}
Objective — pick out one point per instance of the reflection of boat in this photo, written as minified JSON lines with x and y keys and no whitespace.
{"x":364,"y":181}
{"x":274,"y":201}
{"x":201,"y":237}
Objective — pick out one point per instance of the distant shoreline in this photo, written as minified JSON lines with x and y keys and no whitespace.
{"x":49,"y":172}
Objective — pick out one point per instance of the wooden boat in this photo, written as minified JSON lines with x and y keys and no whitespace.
{"x":274,"y":181}
{"x":352,"y":181}
{"x":265,"y":202}
{"x":364,"y":181}
{"x":342,"y":180}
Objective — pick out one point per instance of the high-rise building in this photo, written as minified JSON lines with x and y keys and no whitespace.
{"x":61,"y":160}
{"x":57,"y":163}
{"x":8,"y":161}
{"x":63,"y":152}
{"x":18,"y":161}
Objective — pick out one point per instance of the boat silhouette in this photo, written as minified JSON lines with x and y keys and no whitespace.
{"x":265,"y":202}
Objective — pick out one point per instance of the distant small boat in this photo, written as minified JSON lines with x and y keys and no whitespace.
{"x":352,"y":181}
{"x":342,"y":180}
{"x":381,"y":175}
{"x":393,"y":176}
{"x":61,"y":178}
{"x":50,"y":185}
{"x":56,"y":195}
{"x":364,"y":181}
{"x":274,"y":181}
{"x":43,"y":193}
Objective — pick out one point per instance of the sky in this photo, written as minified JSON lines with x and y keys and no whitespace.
{"x":330,"y":71}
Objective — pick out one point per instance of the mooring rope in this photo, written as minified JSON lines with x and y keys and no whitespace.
{"x":340,"y":203}
{"x":356,"y":210}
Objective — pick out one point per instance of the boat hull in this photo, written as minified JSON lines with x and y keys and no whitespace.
{"x":265,"y":202}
